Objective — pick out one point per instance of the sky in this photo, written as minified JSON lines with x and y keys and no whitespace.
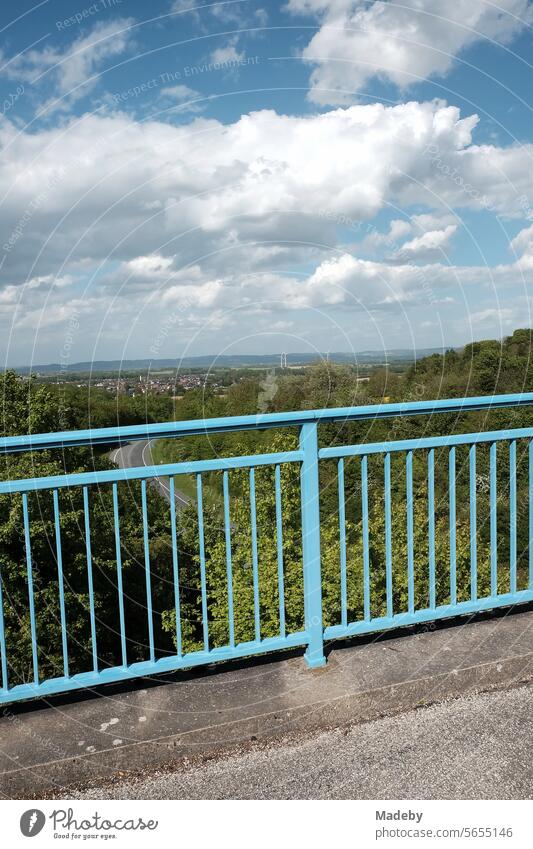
{"x":180,"y":178}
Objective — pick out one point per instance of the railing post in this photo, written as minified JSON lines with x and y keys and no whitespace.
{"x":311,"y":546}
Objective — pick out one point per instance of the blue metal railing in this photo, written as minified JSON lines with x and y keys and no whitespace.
{"x":395,"y":576}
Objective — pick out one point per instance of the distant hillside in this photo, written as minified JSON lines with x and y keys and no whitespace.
{"x":393,"y":355}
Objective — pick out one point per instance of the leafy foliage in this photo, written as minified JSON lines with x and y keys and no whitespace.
{"x":28,"y":407}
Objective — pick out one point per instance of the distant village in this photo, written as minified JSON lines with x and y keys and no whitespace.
{"x":163,"y":384}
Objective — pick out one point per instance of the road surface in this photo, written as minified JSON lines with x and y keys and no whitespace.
{"x":135,"y":454}
{"x":475,"y":747}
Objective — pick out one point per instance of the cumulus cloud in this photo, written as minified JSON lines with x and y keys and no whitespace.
{"x":430,"y":235}
{"x":206,"y":187}
{"x":254,"y":186}
{"x":248,"y":215}
{"x":376,"y":239}
{"x":398,"y":41}
{"x":430,"y":245}
{"x":522,"y":243}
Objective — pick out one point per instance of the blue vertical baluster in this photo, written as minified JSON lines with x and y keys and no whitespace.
{"x":493,"y":523}
{"x":255,"y":562}
{"x":119,"y":577}
{"x":530,"y":517}
{"x":309,"y":486}
{"x":3,"y":653}
{"x":201,"y":543}
{"x":90,"y":575}
{"x":33,"y":626}
{"x":279,"y":538}
{"x":431,"y":528}
{"x":473,"y":524}
{"x":149,"y":612}
{"x":59,"y":558}
{"x":342,"y":535}
{"x":388,"y":536}
{"x":229,"y":571}
{"x":453,"y":528}
{"x":410,"y":523}
{"x":512,"y":517}
{"x":366,"y":549}
{"x":175,"y":569}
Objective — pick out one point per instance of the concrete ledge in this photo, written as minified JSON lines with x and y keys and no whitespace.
{"x":68,"y":741}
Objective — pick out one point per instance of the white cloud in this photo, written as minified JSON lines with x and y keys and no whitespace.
{"x":74,"y":71}
{"x":148,"y":266}
{"x":398,"y":41}
{"x":398,"y":229}
{"x":247,"y":216}
{"x":227,"y":53}
{"x":430,"y":244}
{"x":48,"y":280}
{"x":206,"y":187}
{"x":523,"y":241}
{"x":432,"y":221}
{"x":258,"y":191}
{"x":429,"y":230}
{"x":182,"y":5}
{"x":179,"y":93}
{"x":186,"y":99}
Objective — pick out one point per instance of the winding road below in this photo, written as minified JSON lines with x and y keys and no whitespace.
{"x":138,"y":454}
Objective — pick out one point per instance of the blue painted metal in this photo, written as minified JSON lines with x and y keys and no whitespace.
{"x":431,"y":528}
{"x":120,"y":590}
{"x":170,"y":663}
{"x":201,"y":543}
{"x":59,"y":558}
{"x":342,"y":539}
{"x":404,"y":445}
{"x":473,"y":523}
{"x":121,"y":435}
{"x":493,"y":521}
{"x":400,"y":620}
{"x":453,"y":528}
{"x":175,"y":565}
{"x":388,"y":536}
{"x":410,"y":523}
{"x":229,"y":570}
{"x":512,"y":516}
{"x":307,"y":457}
{"x":366,"y":548}
{"x":279,"y":539}
{"x":3,"y":652}
{"x":148,"y":578}
{"x":255,"y":559}
{"x":31,"y":599}
{"x":90,"y":584}
{"x":530,"y":517}
{"x":147,"y":472}
{"x":311,"y":545}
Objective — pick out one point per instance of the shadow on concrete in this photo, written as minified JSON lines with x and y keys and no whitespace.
{"x":162,"y":721}
{"x":259,"y":661}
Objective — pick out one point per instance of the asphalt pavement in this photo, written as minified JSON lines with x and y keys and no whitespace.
{"x":136,"y":454}
{"x":475,"y":747}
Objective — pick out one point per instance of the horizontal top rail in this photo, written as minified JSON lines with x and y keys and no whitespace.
{"x":144,"y":472}
{"x":336,"y":452}
{"x":121,"y":435}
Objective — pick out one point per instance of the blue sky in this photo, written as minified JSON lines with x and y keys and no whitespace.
{"x":186,"y":178}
